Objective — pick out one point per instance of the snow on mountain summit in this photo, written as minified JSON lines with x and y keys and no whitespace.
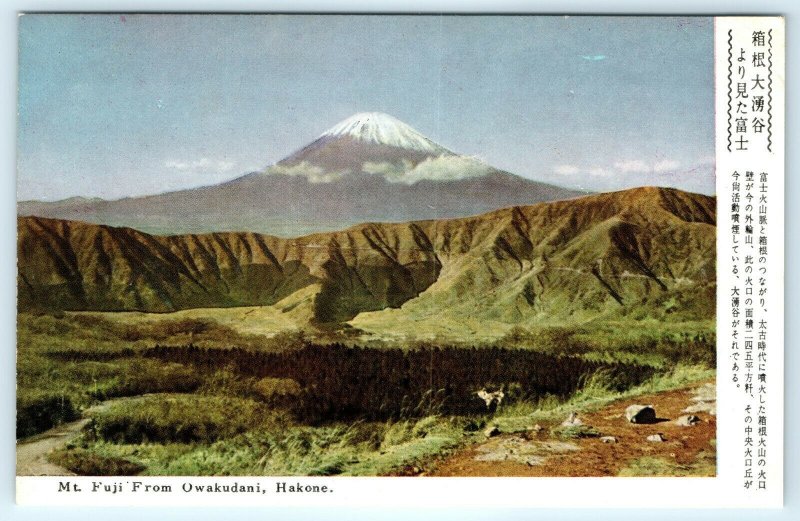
{"x":377,"y":127}
{"x":377,"y":144}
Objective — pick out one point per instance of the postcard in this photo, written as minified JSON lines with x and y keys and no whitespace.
{"x":450,"y":260}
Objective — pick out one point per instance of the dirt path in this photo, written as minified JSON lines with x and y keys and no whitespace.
{"x":540,"y":454}
{"x":32,"y":452}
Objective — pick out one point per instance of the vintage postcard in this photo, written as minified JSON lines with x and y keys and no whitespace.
{"x":400,"y":259}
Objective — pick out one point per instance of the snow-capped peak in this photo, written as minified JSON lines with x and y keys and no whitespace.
{"x":377,"y":127}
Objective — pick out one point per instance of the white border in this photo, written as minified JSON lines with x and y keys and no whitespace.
{"x":636,"y":492}
{"x":730,"y":444}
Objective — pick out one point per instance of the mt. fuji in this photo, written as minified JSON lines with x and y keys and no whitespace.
{"x":370,"y":167}
{"x":377,"y":144}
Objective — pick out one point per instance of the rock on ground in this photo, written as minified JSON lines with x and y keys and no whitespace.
{"x":687,"y":420}
{"x":517,"y":449}
{"x":492,"y":431}
{"x":640,"y":414}
{"x":572,"y":420}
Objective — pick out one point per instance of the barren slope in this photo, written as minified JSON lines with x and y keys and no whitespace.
{"x":643,"y":249}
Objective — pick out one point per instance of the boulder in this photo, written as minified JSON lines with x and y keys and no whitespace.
{"x":492,"y":431}
{"x":532,"y":433}
{"x":641,"y":414}
{"x":658,"y":438}
{"x":572,"y":420}
{"x":492,"y":399}
{"x":687,"y":420}
{"x":608,"y":439}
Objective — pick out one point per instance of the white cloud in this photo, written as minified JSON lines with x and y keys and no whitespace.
{"x":625,"y":167}
{"x":632,"y":165}
{"x":566,"y":169}
{"x":203,"y":163}
{"x":599,"y":171}
{"x":313,"y":173}
{"x":694,"y":177}
{"x":387,"y":169}
{"x":628,"y":166}
{"x":666,"y":165}
{"x":442,"y":168}
{"x":180,"y":165}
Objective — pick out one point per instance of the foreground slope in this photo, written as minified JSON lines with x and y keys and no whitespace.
{"x":642,"y":251}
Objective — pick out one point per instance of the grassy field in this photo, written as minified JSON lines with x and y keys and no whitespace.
{"x":189,"y":417}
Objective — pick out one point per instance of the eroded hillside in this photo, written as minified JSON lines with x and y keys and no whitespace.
{"x":635,"y":251}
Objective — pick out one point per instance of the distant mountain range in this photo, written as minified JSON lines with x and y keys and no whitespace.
{"x":368,"y":168}
{"x":646,"y":251}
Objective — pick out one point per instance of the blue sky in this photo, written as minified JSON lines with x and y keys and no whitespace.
{"x":112,"y":105}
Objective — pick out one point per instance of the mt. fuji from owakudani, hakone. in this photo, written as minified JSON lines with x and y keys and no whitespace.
{"x":370,"y":167}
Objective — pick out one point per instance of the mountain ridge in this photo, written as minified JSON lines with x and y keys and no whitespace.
{"x":614,"y":252}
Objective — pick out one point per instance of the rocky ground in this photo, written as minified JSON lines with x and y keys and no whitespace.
{"x":679,"y":441}
{"x":603,"y":442}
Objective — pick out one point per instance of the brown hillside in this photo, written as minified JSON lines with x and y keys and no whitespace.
{"x":648,"y":248}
